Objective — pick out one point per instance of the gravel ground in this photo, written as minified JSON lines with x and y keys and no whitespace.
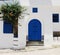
{"x":31,"y":50}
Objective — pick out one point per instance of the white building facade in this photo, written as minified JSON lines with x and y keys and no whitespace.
{"x":40,"y":22}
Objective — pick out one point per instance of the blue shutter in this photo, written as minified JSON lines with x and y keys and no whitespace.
{"x":7,"y":27}
{"x":55,"y":17}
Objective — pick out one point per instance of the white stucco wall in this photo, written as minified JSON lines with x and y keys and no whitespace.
{"x":56,"y":26}
{"x":40,"y":2}
{"x":21,"y":34}
{"x":48,"y":38}
{"x":24,"y":2}
{"x":6,"y":40}
{"x":55,"y":2}
{"x":22,"y":29}
{"x":40,"y":13}
{"x":44,"y":15}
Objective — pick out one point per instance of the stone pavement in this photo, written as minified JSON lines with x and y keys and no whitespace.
{"x":32,"y":50}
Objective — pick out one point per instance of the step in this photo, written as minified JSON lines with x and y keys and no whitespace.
{"x":35,"y":43}
{"x":15,"y":39}
{"x":15,"y":44}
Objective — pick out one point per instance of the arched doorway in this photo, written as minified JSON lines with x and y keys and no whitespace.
{"x":34,"y":30}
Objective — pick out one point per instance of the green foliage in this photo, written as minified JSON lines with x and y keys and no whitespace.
{"x":11,"y":12}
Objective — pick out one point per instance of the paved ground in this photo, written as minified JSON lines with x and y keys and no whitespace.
{"x":35,"y":50}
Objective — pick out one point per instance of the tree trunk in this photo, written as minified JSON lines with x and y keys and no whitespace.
{"x":15,"y":30}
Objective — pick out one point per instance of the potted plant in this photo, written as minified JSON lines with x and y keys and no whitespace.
{"x":11,"y":13}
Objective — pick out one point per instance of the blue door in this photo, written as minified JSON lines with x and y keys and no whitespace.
{"x":34,"y":30}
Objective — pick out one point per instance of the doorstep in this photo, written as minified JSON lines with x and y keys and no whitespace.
{"x":35,"y":43}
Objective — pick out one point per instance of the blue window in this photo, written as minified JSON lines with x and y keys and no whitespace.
{"x":55,"y":17}
{"x":7,"y":27}
{"x":35,"y":10}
